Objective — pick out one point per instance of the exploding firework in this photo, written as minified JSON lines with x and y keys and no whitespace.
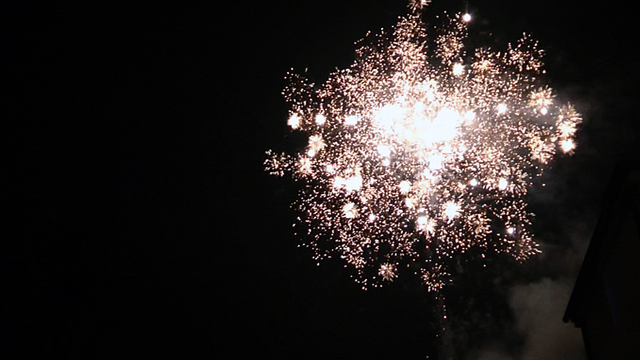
{"x":423,"y":149}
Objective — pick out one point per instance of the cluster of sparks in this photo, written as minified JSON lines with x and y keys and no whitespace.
{"x":422,"y":150}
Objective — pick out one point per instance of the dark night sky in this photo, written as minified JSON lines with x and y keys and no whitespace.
{"x":141,"y":221}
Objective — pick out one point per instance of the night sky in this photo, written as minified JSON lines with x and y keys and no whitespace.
{"x":141,"y":222}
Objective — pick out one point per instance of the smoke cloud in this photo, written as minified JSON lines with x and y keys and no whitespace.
{"x":538,"y":308}
{"x":536,"y":329}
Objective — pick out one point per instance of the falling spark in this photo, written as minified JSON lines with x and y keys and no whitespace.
{"x":417,"y":153}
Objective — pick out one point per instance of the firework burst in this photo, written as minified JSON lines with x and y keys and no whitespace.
{"x":423,"y":149}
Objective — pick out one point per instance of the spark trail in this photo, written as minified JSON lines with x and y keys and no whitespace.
{"x":423,"y":149}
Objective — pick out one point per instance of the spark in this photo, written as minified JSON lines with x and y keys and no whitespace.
{"x":305,"y":165}
{"x":451,"y":210}
{"x":409,"y":203}
{"x":502,"y":184}
{"x":567,"y":146}
{"x":435,"y":278}
{"x":416,"y":153}
{"x":294,"y":121}
{"x":404,"y":187}
{"x":426,"y":224}
{"x":541,"y":98}
{"x":384,"y":150}
{"x":418,"y":4}
{"x":351,"y":120}
{"x":466,"y":17}
{"x":387,"y":272}
{"x":469,"y":116}
{"x":316,"y":144}
{"x":349,"y":210}
{"x":349,"y":184}
{"x":458,"y":69}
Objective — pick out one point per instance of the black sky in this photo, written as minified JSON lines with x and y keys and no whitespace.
{"x":141,"y":221}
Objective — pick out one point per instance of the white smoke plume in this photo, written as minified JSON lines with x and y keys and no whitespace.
{"x":538,"y":308}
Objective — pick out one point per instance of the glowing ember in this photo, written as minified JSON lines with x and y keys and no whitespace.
{"x":415,"y":153}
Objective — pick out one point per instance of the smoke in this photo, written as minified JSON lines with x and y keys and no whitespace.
{"x":535,"y":329}
{"x":538,"y":308}
{"x":537,"y":301}
{"x":494,"y":353}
